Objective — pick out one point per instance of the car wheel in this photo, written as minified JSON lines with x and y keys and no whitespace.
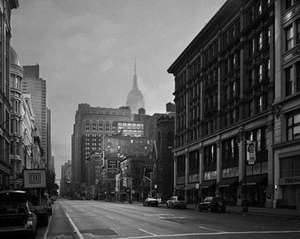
{"x":210,"y":209}
{"x":167,"y":205}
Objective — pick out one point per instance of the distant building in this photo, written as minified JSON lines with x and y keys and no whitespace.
{"x":132,"y":157}
{"x":66,"y":177}
{"x":91,"y":123}
{"x":31,"y":147}
{"x":163,"y":172}
{"x":50,"y":158}
{"x":132,"y":128}
{"x":35,"y":86}
{"x":135,"y":98}
{"x":5,"y":34}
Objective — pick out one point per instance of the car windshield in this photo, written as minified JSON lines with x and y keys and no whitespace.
{"x":12,"y":203}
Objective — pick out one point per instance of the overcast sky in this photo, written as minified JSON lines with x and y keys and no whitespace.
{"x":86,"y":52}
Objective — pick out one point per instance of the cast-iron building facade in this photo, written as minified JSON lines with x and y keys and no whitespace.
{"x":232,"y":84}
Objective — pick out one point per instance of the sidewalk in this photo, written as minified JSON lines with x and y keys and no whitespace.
{"x":291,"y":213}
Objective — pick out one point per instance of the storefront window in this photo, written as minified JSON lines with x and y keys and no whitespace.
{"x":293,"y":127}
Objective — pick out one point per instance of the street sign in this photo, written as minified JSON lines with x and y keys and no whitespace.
{"x":251,"y":152}
{"x":34,"y":178}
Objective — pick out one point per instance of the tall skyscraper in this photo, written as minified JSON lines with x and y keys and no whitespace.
{"x":135,"y":98}
{"x":50,"y":159}
{"x":35,"y":86}
{"x":5,"y":34}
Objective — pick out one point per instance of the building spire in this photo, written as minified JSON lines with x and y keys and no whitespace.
{"x":135,"y":65}
{"x":135,"y":85}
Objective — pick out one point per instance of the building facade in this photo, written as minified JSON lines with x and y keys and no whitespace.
{"x":162,"y":172}
{"x":16,"y":152}
{"x":35,"y":86}
{"x":31,"y":147}
{"x":5,"y":34}
{"x":91,"y":124}
{"x":50,"y":158}
{"x":231,"y":85}
{"x":65,"y":181}
{"x":287,"y":105}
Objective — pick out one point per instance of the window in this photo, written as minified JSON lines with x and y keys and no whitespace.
{"x":293,"y":126}
{"x":289,"y":81}
{"x":297,"y":80}
{"x":269,"y":68}
{"x":289,"y":35}
{"x":260,"y":73}
{"x":288,"y":3}
{"x":260,"y":104}
{"x":259,"y":9}
{"x":269,"y":36}
{"x":234,"y":88}
{"x":253,"y":45}
{"x":260,"y":41}
{"x":298,"y":31}
{"x":290,"y":167}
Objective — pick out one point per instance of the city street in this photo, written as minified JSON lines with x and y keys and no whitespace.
{"x":98,"y":219}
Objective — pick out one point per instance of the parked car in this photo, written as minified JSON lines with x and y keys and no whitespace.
{"x":16,"y":216}
{"x":151,"y":202}
{"x":175,"y":202}
{"x":41,"y":206}
{"x":212,"y":204}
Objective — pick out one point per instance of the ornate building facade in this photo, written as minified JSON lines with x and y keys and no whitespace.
{"x":16,"y":152}
{"x":233,"y":85}
{"x":5,"y":34}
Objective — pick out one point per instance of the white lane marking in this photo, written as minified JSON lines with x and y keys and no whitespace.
{"x":47,"y":230}
{"x":73,"y":225}
{"x":152,"y":234}
{"x":211,"y":234}
{"x":208,"y":228}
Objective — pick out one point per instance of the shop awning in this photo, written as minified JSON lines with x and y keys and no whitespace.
{"x":227,"y":182}
{"x":207,"y":184}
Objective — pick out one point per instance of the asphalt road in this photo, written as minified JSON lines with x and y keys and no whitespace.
{"x":97,"y":219}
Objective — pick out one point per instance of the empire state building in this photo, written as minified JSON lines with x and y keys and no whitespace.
{"x":135,"y":98}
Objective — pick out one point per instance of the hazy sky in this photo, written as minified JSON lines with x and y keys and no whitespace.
{"x":86,"y":52}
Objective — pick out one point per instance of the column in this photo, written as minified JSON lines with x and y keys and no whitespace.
{"x":269,"y":144}
{"x":219,"y":165}
{"x":200,"y":170}
{"x":242,"y":164}
{"x":279,"y":86}
{"x":175,"y":174}
{"x":186,"y":178}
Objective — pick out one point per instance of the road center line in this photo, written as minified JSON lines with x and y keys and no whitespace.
{"x":152,"y":234}
{"x":74,"y":226}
